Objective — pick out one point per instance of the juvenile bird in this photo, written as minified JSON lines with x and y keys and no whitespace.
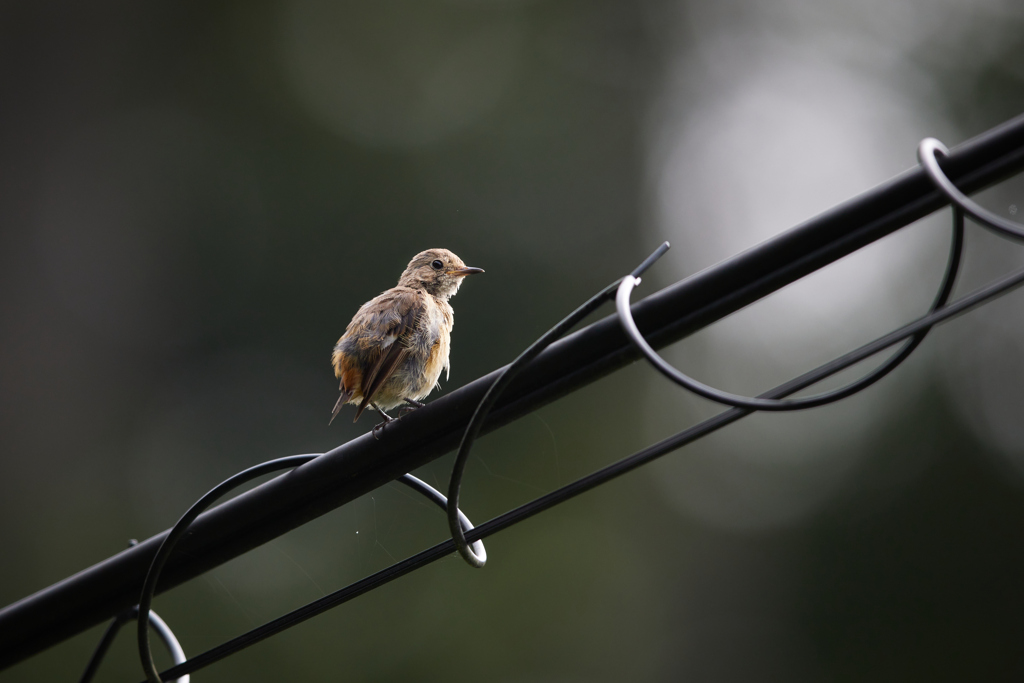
{"x":393,"y":351}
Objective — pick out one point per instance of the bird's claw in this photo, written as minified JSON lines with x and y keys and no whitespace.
{"x":413,"y":405}
{"x":380,"y":426}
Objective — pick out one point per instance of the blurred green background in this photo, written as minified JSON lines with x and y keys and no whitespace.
{"x":195,"y":198}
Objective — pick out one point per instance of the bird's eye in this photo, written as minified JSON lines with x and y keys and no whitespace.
{"x":437,"y":265}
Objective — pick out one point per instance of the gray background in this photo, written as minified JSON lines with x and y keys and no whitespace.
{"x":195,"y":198}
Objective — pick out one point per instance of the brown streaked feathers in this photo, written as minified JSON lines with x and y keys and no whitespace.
{"x":396,"y":345}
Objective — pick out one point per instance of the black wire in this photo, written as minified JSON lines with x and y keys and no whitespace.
{"x":649,"y":261}
{"x":108,"y":638}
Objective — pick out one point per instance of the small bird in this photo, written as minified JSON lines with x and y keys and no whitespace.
{"x":393,"y":351}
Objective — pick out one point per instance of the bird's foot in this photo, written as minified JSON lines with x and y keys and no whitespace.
{"x":378,"y":428}
{"x":413,"y":405}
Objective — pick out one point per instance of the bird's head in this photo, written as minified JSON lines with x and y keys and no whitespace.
{"x":437,"y":271}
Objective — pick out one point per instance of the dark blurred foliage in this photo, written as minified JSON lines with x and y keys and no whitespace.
{"x":195,"y":198}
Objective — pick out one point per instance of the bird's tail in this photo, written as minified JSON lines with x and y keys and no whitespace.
{"x":345,"y":396}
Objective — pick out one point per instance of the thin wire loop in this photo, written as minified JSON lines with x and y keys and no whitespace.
{"x":622,"y":307}
{"x":433,"y":494}
{"x":158,"y":624}
{"x":498,"y":387}
{"x":177,"y":532}
{"x":927,"y":153}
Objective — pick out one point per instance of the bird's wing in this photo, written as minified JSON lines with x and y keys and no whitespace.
{"x":395,"y":314}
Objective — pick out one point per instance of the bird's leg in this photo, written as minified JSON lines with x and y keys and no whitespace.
{"x":413,"y":405}
{"x":387,"y":420}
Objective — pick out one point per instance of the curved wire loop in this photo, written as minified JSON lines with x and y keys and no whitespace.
{"x":498,"y":387}
{"x":927,"y":153}
{"x":177,"y":532}
{"x":158,"y":625}
{"x":477,"y":547}
{"x":622,"y":307}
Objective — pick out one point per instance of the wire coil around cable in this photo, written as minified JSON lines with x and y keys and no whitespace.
{"x":623,"y":304}
{"x":927,"y":153}
{"x":178,"y":531}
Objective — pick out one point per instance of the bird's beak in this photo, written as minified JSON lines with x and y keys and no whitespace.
{"x":465,"y":271}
